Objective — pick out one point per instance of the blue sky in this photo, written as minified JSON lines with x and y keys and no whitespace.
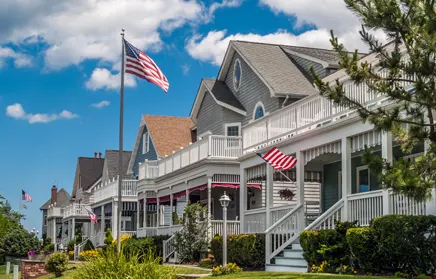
{"x":58,"y":59}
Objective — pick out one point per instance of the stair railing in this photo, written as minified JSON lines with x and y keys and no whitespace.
{"x":169,"y":247}
{"x":328,"y":218}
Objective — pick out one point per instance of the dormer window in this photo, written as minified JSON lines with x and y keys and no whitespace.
{"x":237,"y":74}
{"x":145,"y":142}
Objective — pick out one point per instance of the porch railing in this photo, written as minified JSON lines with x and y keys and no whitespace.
{"x":217,"y":227}
{"x":54,"y":211}
{"x":328,"y":218}
{"x":278,"y":212}
{"x":76,"y":209}
{"x":110,"y":189}
{"x":284,"y":232}
{"x":363,"y":207}
{"x":255,"y":221}
{"x":129,"y":233}
{"x":209,"y":147}
{"x":402,"y":205}
{"x":168,"y":248}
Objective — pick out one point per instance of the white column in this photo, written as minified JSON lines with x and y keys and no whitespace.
{"x":91,"y":230}
{"x":114,"y":219}
{"x":300,"y":187}
{"x":73,"y":228}
{"x":209,"y":205}
{"x":171,"y":208}
{"x":103,"y":225}
{"x":346,"y":175}
{"x":144,"y":220}
{"x":157,"y":211}
{"x":138,"y":210}
{"x":242,"y":199}
{"x":269,"y":192}
{"x":387,"y":155}
{"x":54,"y":235}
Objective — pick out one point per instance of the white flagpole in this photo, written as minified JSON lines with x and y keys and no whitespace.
{"x":120,"y":159}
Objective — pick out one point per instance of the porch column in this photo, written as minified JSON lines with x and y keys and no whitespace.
{"x":387,"y":155}
{"x":209,"y":204}
{"x":91,"y":233}
{"x":114,"y":219}
{"x":346,"y":174}
{"x":157,"y":212}
{"x":145,"y":212}
{"x":171,"y":208}
{"x":73,"y":228}
{"x":138,"y":210}
{"x":300,"y":187}
{"x":242,"y":199}
{"x":269,"y":194}
{"x":103,"y":224}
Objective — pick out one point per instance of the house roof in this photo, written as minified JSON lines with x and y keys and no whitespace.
{"x":111,"y":158}
{"x":168,"y":133}
{"x":91,"y":169}
{"x":222,"y":93}
{"x":63,"y":199}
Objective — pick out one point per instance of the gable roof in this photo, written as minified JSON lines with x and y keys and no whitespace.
{"x":111,"y":161}
{"x":63,"y":199}
{"x":221,"y":94}
{"x":168,"y":134}
{"x":90,"y":169}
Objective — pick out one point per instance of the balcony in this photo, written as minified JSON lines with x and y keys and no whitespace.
{"x":54,"y":211}
{"x":76,"y":210}
{"x":212,"y":147}
{"x":110,"y":190}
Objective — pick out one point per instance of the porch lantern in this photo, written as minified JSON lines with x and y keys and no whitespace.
{"x":224,"y":200}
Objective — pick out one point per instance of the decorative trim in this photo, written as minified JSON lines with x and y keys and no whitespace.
{"x":371,"y":138}
{"x":310,"y":154}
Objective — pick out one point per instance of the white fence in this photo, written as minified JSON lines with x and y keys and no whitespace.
{"x":110,"y":189}
{"x":217,"y":227}
{"x":208,"y":147}
{"x":76,"y":209}
{"x":255,"y":221}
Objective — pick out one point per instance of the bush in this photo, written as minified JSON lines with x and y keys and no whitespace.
{"x":158,"y":243}
{"x":363,"y":248}
{"x":70,"y":246}
{"x":109,"y":265}
{"x":57,"y":263}
{"x":108,"y":240}
{"x":88,"y":246}
{"x":18,"y":242}
{"x":228,"y":269}
{"x":49,"y":247}
{"x":46,"y":241}
{"x":88,"y":255}
{"x":140,"y":246}
{"x":207,"y":262}
{"x":246,"y":250}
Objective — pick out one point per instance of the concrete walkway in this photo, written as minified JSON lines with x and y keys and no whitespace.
{"x":192,"y":276}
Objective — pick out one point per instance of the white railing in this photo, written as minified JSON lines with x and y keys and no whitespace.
{"x":327,"y":219}
{"x":255,"y":221}
{"x":277,"y":213}
{"x":168,"y":230}
{"x":363,"y":207}
{"x":209,"y":147}
{"x":110,"y":189}
{"x":402,"y":205}
{"x":76,"y":209}
{"x":217,"y":227}
{"x":168,"y":248}
{"x":150,"y":231}
{"x":54,"y":211}
{"x":129,"y":233}
{"x":284,"y":232}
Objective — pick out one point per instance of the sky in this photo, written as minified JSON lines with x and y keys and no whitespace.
{"x":60,"y":64}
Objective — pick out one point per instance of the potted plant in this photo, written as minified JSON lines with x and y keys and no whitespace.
{"x":286,"y":194}
{"x":31,"y":255}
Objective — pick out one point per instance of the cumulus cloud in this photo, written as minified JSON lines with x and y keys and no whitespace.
{"x":20,"y":59}
{"x":224,"y":4}
{"x":185,"y":69}
{"x":16,"y":111}
{"x":102,"y":78}
{"x":101,"y":104}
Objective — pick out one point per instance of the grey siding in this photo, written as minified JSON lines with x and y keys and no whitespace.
{"x":150,"y":155}
{"x":44,"y":226}
{"x":212,"y":117}
{"x":251,"y":90}
{"x":306,"y":64}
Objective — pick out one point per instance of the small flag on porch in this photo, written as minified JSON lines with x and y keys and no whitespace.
{"x":141,"y":65}
{"x":26,"y":197}
{"x":92,"y":216}
{"x":278,"y":160}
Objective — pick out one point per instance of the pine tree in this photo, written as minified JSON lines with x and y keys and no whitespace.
{"x":407,"y":62}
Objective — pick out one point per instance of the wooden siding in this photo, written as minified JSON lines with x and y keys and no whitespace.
{"x":212,"y":117}
{"x":307,"y":64}
{"x":251,"y":90}
{"x":150,"y":155}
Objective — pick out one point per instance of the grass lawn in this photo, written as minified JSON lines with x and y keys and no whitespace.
{"x":3,"y":272}
{"x":288,"y":275}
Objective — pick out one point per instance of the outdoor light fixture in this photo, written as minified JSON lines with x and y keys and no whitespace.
{"x":224,"y":200}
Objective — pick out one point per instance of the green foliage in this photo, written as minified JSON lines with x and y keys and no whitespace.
{"x":108,"y":240}
{"x":57,"y":263}
{"x":191,"y":241}
{"x":70,"y":246}
{"x":410,"y":27}
{"x":45,"y":240}
{"x":49,"y":247}
{"x":140,"y":246}
{"x":132,"y":266}
{"x":9,"y":220}
{"x":207,"y":262}
{"x":363,"y":248}
{"x":230,"y":268}
{"x":18,"y":242}
{"x":79,"y":238}
{"x":246,"y":250}
{"x":327,"y":245}
{"x":158,"y":243}
{"x":88,"y":246}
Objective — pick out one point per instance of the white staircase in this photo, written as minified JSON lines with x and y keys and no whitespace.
{"x":289,"y":260}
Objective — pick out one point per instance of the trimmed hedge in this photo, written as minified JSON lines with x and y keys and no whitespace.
{"x":245,"y":250}
{"x":363,"y":248}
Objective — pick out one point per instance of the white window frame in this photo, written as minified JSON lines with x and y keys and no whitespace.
{"x":259,"y":104}
{"x":145,"y":142}
{"x":238,"y":124}
{"x":240,"y":79}
{"x":358,"y":177}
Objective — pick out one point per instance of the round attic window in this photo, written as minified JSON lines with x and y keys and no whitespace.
{"x":237,"y":73}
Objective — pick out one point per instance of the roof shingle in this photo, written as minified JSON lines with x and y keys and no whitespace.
{"x":63,"y":199}
{"x":111,"y":158}
{"x":91,"y":170}
{"x":222,"y":93}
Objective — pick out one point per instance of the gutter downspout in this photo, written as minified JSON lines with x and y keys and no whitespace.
{"x":284,"y":102}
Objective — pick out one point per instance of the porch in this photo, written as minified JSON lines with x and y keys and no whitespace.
{"x":109,"y":190}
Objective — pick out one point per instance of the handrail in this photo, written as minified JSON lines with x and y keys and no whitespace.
{"x":276,"y":224}
{"x":332,"y":210}
{"x":369,"y":194}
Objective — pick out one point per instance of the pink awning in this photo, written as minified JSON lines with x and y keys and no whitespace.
{"x":198,"y":188}
{"x":164,"y":199}
{"x":179,"y":195}
{"x":151,"y":200}
{"x":254,"y":185}
{"x":225,"y":185}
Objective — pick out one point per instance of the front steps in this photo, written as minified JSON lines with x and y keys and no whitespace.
{"x":291,"y":260}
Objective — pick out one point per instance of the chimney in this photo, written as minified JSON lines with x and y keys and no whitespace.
{"x":95,"y":154}
{"x":99,"y":154}
{"x":54,"y":194}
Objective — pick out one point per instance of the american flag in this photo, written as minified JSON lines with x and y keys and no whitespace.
{"x":26,"y":197}
{"x":92,"y":216}
{"x":141,"y":65}
{"x":278,"y":160}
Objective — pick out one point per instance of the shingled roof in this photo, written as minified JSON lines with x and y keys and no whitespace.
{"x":111,"y":161}
{"x":90,"y":169}
{"x":168,"y":133}
{"x":63,"y":199}
{"x":222,"y":93}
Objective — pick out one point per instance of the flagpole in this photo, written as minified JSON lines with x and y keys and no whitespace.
{"x":120,"y":156}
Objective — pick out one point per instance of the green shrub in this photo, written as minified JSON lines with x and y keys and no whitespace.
{"x":57,"y":263}
{"x":18,"y":242}
{"x":88,"y":246}
{"x":245,"y":250}
{"x":46,"y":241}
{"x":49,"y":247}
{"x":158,"y":243}
{"x":108,"y":240}
{"x":230,"y":268}
{"x":140,"y":246}
{"x":70,"y":246}
{"x":363,"y":248}
{"x":79,"y":238}
{"x":109,"y":265}
{"x":207,"y":262}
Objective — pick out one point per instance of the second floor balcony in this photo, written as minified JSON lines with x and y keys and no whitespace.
{"x":76,"y":210}
{"x":109,"y":190}
{"x":54,"y":211}
{"x":209,"y":147}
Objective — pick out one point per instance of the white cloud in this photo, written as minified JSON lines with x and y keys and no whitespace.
{"x":102,"y":78}
{"x":185,"y":69}
{"x":225,"y":3}
{"x":16,"y":111}
{"x":20,"y":59}
{"x":101,"y":104}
